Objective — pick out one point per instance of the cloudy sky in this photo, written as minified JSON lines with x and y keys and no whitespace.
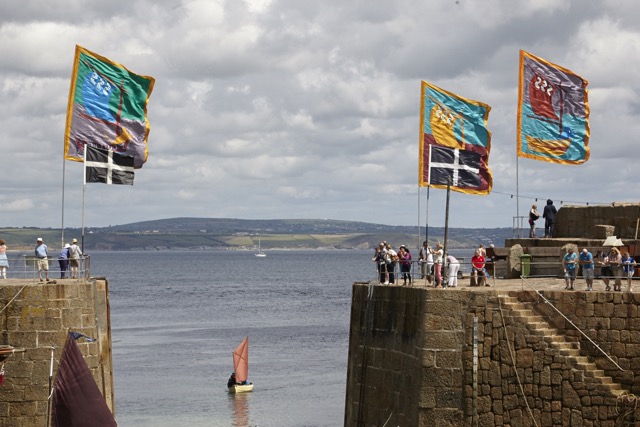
{"x":267,"y":109}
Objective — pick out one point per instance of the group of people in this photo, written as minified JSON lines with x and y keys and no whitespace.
{"x":549,"y":216}
{"x":387,"y":259}
{"x":68,"y":259}
{"x":613,"y":265}
{"x":432,"y":261}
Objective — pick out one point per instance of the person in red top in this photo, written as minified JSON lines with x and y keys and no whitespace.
{"x":477,"y":269}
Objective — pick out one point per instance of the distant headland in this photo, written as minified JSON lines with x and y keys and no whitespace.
{"x":243,"y":234}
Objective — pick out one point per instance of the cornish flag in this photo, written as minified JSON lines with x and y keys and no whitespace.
{"x":107,"y":166}
{"x":460,"y":168}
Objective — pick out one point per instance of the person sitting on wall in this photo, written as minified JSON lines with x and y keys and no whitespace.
{"x":477,"y":269}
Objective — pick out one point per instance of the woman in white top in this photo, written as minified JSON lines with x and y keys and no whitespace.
{"x":437,"y":266}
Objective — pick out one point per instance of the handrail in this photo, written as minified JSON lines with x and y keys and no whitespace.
{"x":23,"y":266}
{"x":571,"y":323}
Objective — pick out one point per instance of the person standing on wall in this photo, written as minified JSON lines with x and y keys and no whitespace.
{"x":569,"y":262}
{"x":586,"y":260}
{"x":405,"y":264}
{"x":614,"y":260}
{"x":74,"y":258}
{"x":438,"y":259}
{"x":41,"y":252}
{"x":453,"y":266}
{"x":629,"y":268}
{"x":4,"y":261}
{"x":549,"y":215}
{"x":533,"y":217}
{"x":426,"y":261}
{"x":63,"y":260}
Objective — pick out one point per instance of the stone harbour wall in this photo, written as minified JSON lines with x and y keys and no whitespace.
{"x":597,"y":222}
{"x":412,"y":358}
{"x":36,"y":317}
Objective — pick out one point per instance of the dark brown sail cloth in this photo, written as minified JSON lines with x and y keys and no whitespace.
{"x":77,"y":401}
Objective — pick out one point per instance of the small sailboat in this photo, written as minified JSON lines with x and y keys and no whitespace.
{"x":241,"y":369}
{"x":260,"y":253}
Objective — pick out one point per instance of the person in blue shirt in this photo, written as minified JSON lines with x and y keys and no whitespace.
{"x":586,"y":261}
{"x":63,"y":260}
{"x":569,"y":265}
{"x":41,"y":258}
{"x":629,"y":266}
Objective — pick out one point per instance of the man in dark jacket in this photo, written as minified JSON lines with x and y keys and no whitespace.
{"x":549,"y":215}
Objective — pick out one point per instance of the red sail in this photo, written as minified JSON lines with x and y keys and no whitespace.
{"x":540,"y":93}
{"x":241,"y":360}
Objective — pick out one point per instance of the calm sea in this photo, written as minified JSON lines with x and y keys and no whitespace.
{"x":177,"y":316}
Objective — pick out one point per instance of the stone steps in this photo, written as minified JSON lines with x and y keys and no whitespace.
{"x":570,"y":350}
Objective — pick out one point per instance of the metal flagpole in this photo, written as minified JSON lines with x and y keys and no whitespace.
{"x":446,"y":232}
{"x":62,"y":225}
{"x":84,"y":190}
{"x":517,"y":193}
{"x":50,"y":389}
{"x":419,"y":231}
{"x":426,"y":228}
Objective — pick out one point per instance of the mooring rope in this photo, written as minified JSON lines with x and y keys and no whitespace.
{"x":16,"y":296}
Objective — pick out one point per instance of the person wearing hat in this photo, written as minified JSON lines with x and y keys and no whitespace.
{"x":63,"y":260}
{"x":41,"y":252}
{"x":586,"y":261}
{"x":569,"y":262}
{"x":74,"y":258}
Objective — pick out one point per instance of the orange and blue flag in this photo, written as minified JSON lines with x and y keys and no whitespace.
{"x":553,"y":112}
{"x":107,"y":108}
{"x":454,"y":142}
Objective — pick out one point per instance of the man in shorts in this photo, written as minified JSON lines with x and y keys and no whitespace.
{"x":569,"y":265}
{"x":586,"y":261}
{"x":41,"y":258}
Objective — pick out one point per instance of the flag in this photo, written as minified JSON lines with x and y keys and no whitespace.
{"x":107,"y":108}
{"x":76,"y":398}
{"x":553,"y":112}
{"x":108,"y":167}
{"x":77,"y":335}
{"x":454,"y":142}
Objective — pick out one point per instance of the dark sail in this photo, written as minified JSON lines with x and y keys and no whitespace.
{"x":77,"y":400}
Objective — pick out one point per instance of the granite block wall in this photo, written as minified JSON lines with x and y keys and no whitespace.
{"x":411,"y":359}
{"x":36,"y":317}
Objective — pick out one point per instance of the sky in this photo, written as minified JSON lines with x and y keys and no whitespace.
{"x":275,"y":109}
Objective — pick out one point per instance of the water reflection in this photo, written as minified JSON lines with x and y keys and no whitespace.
{"x":240,"y":406}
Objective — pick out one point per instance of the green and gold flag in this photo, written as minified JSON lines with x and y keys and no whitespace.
{"x":107,"y":108}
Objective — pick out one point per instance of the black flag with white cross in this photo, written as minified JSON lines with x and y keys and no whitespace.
{"x":108,"y":167}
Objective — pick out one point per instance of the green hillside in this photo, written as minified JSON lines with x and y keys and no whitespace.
{"x":228,"y":233}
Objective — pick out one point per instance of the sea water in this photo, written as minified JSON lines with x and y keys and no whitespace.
{"x":177,"y":316}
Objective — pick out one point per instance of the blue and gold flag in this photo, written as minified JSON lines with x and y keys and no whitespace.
{"x":107,"y":108}
{"x":553,"y":112}
{"x":454,"y":142}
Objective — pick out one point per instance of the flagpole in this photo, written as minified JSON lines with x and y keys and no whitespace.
{"x":63,"y":173}
{"x":426,"y":231}
{"x":517,"y":193}
{"x":50,"y":389}
{"x":446,"y":231}
{"x":84,"y":190}
{"x":419,"y":230}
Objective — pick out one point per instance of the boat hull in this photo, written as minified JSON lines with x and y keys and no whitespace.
{"x":241,"y":388}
